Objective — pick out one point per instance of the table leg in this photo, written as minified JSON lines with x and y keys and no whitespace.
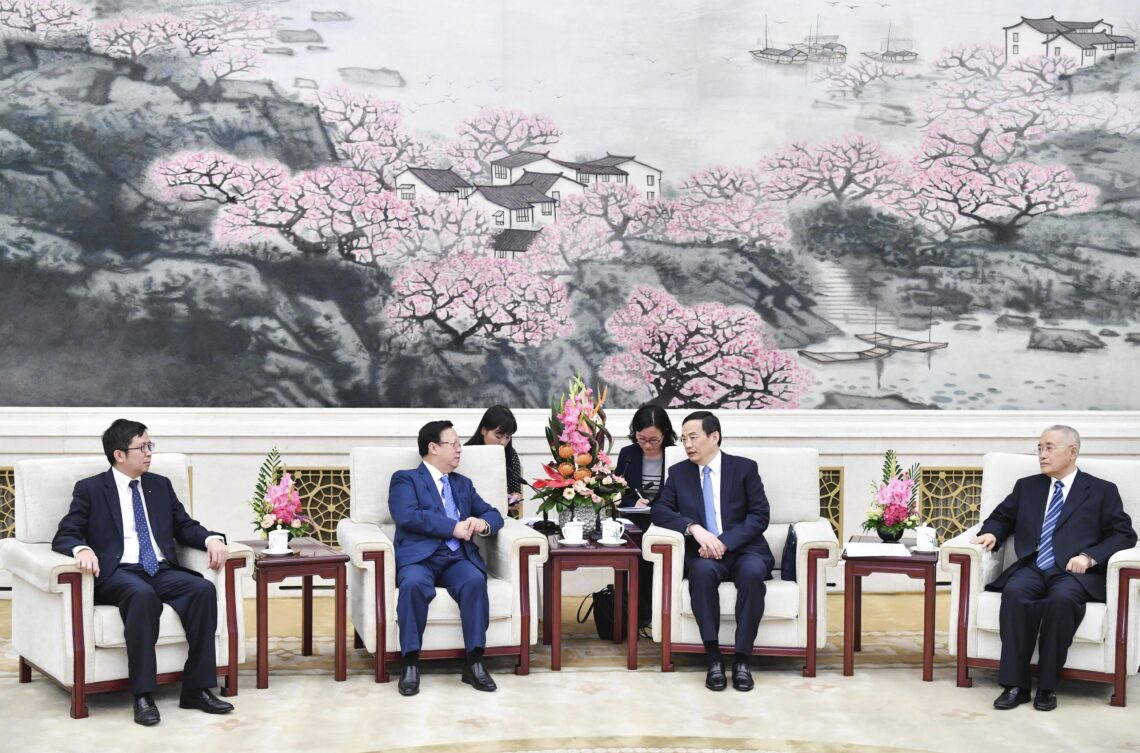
{"x":620,"y":584}
{"x":849,"y":598}
{"x":631,"y":617}
{"x":262,"y":633}
{"x":858,"y":612}
{"x":555,"y":615}
{"x":546,"y":598}
{"x":928,"y":626}
{"x":307,"y":615}
{"x":341,"y":627}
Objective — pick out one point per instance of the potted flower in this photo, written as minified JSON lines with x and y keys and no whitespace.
{"x":895,"y":508}
{"x":276,"y":505}
{"x":579,"y":480}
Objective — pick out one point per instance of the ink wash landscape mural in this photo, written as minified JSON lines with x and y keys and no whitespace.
{"x":744,"y":205}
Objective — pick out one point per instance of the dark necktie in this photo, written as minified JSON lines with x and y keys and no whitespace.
{"x":1045,"y":558}
{"x":710,"y":509}
{"x":147,"y":557}
{"x":452,"y":510}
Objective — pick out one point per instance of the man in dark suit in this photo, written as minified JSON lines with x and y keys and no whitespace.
{"x":718,"y":502}
{"x":121,"y":528}
{"x":438,"y":514}
{"x":1065,"y":525}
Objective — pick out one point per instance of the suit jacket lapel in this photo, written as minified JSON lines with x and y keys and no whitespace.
{"x":154,"y":510}
{"x":1077,"y":496}
{"x":111,"y":498}
{"x":430,"y":487}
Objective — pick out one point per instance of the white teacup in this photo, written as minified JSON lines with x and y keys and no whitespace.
{"x":572,"y":531}
{"x":926,"y":538}
{"x":278,"y":541}
{"x":612,"y":531}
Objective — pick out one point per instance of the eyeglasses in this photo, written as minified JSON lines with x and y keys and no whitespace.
{"x":651,"y":441}
{"x":1049,"y":449}
{"x":454,"y":443}
{"x":145,"y":447}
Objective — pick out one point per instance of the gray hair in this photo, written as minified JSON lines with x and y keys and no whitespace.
{"x":1071,"y":434}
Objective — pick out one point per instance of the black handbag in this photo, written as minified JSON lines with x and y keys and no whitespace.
{"x":788,"y":561}
{"x":602,"y":606}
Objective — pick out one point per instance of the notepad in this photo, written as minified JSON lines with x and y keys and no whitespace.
{"x":874,"y":549}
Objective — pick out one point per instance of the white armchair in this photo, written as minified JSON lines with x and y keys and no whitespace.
{"x":1105,"y":646}
{"x":795,"y":612}
{"x":56,"y":627}
{"x":512,"y":556}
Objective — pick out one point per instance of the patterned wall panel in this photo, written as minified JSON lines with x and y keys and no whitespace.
{"x":831,"y":497}
{"x":7,"y":503}
{"x":324,"y":495}
{"x":949,"y":499}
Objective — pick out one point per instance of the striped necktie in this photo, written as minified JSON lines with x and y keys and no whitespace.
{"x":452,"y":510}
{"x":1045,"y":559}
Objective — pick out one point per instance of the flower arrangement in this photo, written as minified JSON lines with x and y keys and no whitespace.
{"x":895,"y":508}
{"x":581,"y":473}
{"x":276,"y":502}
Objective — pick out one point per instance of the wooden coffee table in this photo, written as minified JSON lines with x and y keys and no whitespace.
{"x":309,"y":558}
{"x":919,"y":565}
{"x":623,"y":559}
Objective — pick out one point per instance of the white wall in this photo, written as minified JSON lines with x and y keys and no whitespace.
{"x":226,"y":446}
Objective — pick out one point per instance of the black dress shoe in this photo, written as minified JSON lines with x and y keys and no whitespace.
{"x":1011,"y":698}
{"x":742,"y":677}
{"x":476,"y":675}
{"x":146,"y":713}
{"x":203,"y":700}
{"x":1045,"y":700}
{"x":715,"y":679}
{"x":410,"y":680}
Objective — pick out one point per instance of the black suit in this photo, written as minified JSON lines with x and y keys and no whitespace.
{"x":1044,"y":608}
{"x":748,"y":562}
{"x":95,"y":520}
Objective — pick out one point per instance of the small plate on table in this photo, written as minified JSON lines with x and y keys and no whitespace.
{"x":567,"y":542}
{"x":619,"y":542}
{"x":268,"y":553}
{"x":916,"y":550}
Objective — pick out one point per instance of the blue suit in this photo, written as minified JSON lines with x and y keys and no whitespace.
{"x":1044,"y":608}
{"x":423,"y":560}
{"x":748,"y":562}
{"x":95,"y":519}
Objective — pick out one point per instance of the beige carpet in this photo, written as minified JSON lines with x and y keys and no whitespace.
{"x":593,"y":704}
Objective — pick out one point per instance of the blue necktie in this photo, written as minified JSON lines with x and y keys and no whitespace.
{"x":147,"y":557}
{"x":710,"y":510}
{"x":452,"y":510}
{"x":1045,"y":558}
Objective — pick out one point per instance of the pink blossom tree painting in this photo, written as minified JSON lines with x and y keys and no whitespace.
{"x":707,"y":355}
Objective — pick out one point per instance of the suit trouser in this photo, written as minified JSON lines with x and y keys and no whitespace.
{"x":464,"y":581}
{"x":747,"y":571}
{"x":140,"y":597}
{"x":1040,"y":609}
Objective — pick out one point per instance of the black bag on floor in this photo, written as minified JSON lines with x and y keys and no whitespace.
{"x":602,"y":605}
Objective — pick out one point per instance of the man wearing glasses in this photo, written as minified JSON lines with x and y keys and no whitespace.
{"x":121,"y":528}
{"x":1065,"y":525}
{"x":717,"y":500}
{"x":438,"y":514}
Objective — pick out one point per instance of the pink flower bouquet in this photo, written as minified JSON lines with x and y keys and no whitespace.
{"x":895,"y":508}
{"x":276,"y":502}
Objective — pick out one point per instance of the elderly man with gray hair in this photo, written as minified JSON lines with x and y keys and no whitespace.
{"x":1065,"y":525}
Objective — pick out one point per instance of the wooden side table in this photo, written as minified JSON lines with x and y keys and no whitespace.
{"x":920,"y":566}
{"x":623,"y":559}
{"x":309,"y":558}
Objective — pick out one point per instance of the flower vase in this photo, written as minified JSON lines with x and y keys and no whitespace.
{"x":278,"y":541}
{"x":583,"y":514}
{"x":889,"y":536}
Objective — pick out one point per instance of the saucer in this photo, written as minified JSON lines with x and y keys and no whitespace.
{"x":286,"y":553}
{"x":619,"y":542}
{"x":916,"y":550}
{"x":568,"y":542}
